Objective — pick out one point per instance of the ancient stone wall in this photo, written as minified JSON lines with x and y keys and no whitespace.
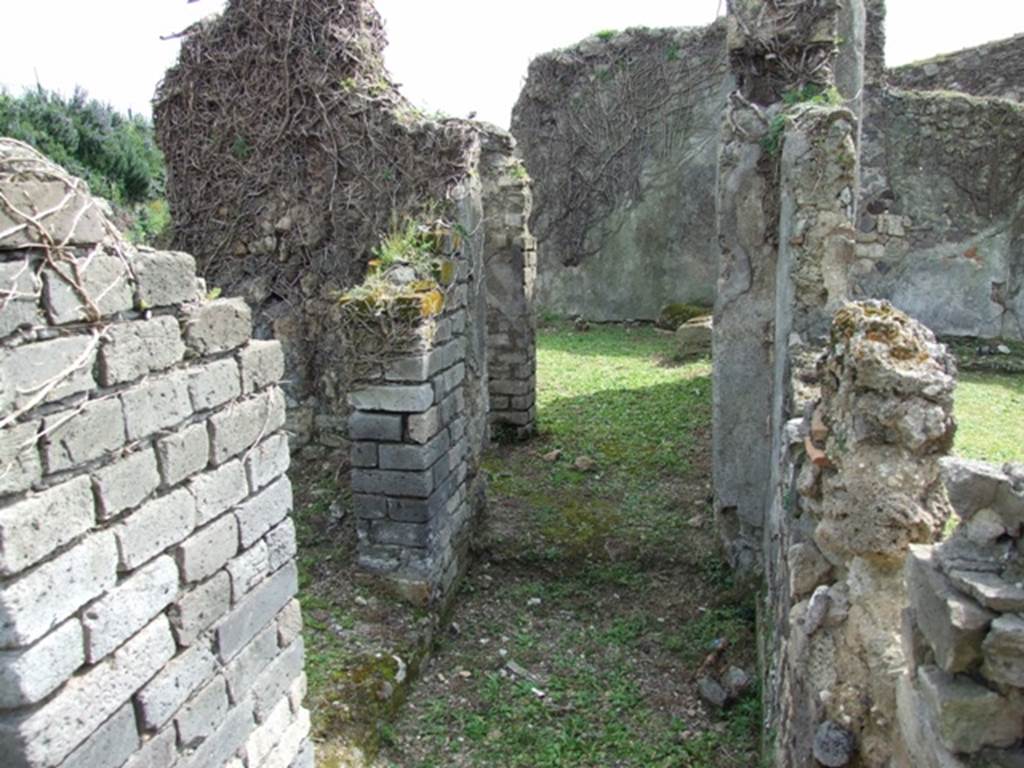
{"x":147,"y":575}
{"x":995,"y":69}
{"x":418,"y":428}
{"x":942,"y":212}
{"x":861,"y":484}
{"x":290,"y":155}
{"x":887,"y":648}
{"x":619,"y":134}
{"x":511,"y":271}
{"x":960,"y":696}
{"x":786,"y":192}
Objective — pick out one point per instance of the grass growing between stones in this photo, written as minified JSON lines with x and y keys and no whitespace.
{"x":989,"y":409}
{"x":598,"y":592}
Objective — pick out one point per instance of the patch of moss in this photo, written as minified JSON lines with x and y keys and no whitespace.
{"x":674,"y":315}
{"x":416,"y":246}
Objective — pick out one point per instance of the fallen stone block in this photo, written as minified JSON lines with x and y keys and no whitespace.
{"x":693,"y":337}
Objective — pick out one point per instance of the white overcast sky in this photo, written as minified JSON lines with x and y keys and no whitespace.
{"x":456,"y":56}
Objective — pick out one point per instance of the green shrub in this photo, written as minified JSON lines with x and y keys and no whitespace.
{"x":115,"y":154}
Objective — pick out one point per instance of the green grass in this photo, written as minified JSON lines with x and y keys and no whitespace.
{"x":990,"y":417}
{"x":609,"y":394}
{"x":582,"y":580}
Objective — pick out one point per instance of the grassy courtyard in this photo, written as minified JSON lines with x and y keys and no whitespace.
{"x":990,"y":416}
{"x":598,"y":592}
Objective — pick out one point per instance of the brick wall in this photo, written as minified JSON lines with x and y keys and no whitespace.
{"x":510,"y":262}
{"x":411,"y":456}
{"x":147,"y":575}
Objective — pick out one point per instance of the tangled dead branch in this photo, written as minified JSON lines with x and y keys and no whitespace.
{"x":289,"y":148}
{"x":630,"y":97}
{"x":786,"y":44}
{"x":20,"y":162}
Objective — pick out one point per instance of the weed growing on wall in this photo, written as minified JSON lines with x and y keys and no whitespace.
{"x":811,"y":94}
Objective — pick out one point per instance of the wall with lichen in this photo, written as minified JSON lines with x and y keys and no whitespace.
{"x":942,"y":210}
{"x":619,"y":134}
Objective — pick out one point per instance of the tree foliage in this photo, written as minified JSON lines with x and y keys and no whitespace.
{"x":116,"y":154}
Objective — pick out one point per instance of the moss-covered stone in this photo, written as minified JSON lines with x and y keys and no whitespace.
{"x":674,"y":315}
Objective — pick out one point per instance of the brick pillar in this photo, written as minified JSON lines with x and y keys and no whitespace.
{"x":410,"y":460}
{"x":510,"y":261}
{"x":147,"y":574}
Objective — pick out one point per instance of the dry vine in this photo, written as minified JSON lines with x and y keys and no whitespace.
{"x":289,"y":149}
{"x":787,"y":44}
{"x":54,"y":252}
{"x":628,"y":100}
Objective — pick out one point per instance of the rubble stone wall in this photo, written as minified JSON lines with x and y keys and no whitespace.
{"x":147,"y":574}
{"x":961,"y":695}
{"x":995,"y":69}
{"x":861,"y":483}
{"x":511,"y":272}
{"x":942,"y":213}
{"x":786,"y":189}
{"x":619,"y":134}
{"x":891,"y":642}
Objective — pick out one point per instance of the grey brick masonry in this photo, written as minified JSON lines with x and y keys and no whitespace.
{"x":147,"y":576}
